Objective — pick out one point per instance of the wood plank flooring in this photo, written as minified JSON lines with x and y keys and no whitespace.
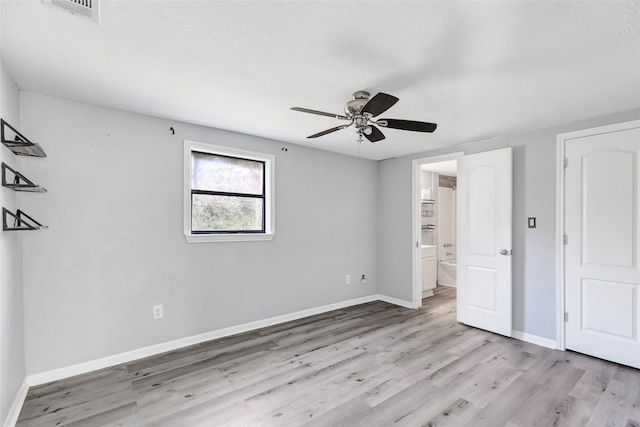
{"x":370,"y":365}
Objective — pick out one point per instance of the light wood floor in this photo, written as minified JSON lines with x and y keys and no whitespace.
{"x":370,"y":365}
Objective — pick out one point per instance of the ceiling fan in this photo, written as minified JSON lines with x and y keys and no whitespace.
{"x":360,"y":112}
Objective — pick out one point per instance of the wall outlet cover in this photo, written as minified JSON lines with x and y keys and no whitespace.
{"x":158,"y":312}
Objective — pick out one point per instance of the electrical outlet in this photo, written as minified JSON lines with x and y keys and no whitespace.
{"x":348,"y":279}
{"x":158,"y":312}
{"x":363,"y":280}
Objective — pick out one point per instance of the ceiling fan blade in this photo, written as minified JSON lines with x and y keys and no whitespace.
{"x":375,"y":135}
{"x":320,"y":113}
{"x":407,"y":125}
{"x":379,"y":104}
{"x":328,"y":131}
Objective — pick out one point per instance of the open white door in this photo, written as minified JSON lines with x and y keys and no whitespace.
{"x":484,"y":240}
{"x":602,"y":184}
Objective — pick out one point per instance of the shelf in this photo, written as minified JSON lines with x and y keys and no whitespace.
{"x":19,"y":144}
{"x":20,"y":182}
{"x":428,"y":201}
{"x":21,"y":221}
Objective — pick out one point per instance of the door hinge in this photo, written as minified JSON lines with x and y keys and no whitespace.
{"x":565,"y":162}
{"x":565,"y":239}
{"x":566,"y":317}
{"x":417,"y":244}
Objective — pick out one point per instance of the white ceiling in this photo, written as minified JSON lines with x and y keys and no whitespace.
{"x":449,"y":167}
{"x":478,"y":69}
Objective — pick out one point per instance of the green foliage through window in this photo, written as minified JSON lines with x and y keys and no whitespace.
{"x":227,"y":194}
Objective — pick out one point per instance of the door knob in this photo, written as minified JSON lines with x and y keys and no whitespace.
{"x":504,"y":252}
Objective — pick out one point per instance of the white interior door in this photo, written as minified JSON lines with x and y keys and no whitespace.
{"x":601,"y":251}
{"x":484,"y":240}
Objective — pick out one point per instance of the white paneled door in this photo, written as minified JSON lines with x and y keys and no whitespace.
{"x":601,"y":250}
{"x":484,"y":240}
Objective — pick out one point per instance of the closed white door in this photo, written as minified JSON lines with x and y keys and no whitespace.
{"x":601,"y":251}
{"x":484,"y":240}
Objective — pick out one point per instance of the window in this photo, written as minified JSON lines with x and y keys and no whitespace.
{"x":228,"y":194}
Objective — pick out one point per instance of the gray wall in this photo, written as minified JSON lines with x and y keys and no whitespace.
{"x":534,"y":175}
{"x":12,"y":348}
{"x":115,"y":245}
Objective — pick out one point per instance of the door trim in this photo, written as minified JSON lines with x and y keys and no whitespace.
{"x":415,"y":220}
{"x":561,"y":141}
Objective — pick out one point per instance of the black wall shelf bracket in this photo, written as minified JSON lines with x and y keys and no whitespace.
{"x":21,"y":221}
{"x":18,"y":143}
{"x":19,"y":182}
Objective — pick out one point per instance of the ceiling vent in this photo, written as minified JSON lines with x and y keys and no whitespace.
{"x":87,"y":8}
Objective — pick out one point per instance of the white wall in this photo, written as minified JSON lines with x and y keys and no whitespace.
{"x":115,"y":245}
{"x":533,"y":195}
{"x":12,"y":347}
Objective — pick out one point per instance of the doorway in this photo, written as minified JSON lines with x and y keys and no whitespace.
{"x":426,"y":220}
{"x":438,"y":221}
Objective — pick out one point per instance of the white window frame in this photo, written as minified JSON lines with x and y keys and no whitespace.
{"x":269,"y":186}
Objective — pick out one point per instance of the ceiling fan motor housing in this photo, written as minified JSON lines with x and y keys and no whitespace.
{"x":353,"y":107}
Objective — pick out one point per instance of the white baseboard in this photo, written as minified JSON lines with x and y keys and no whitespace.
{"x":447,"y":285}
{"x":395,"y":301}
{"x":427,"y":294}
{"x":534,"y":339}
{"x":105,"y":362}
{"x":16,"y":406}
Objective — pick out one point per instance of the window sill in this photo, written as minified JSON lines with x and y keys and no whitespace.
{"x":212,"y":238}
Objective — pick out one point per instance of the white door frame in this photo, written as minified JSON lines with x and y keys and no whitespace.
{"x":416,"y":166}
{"x":561,"y":140}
